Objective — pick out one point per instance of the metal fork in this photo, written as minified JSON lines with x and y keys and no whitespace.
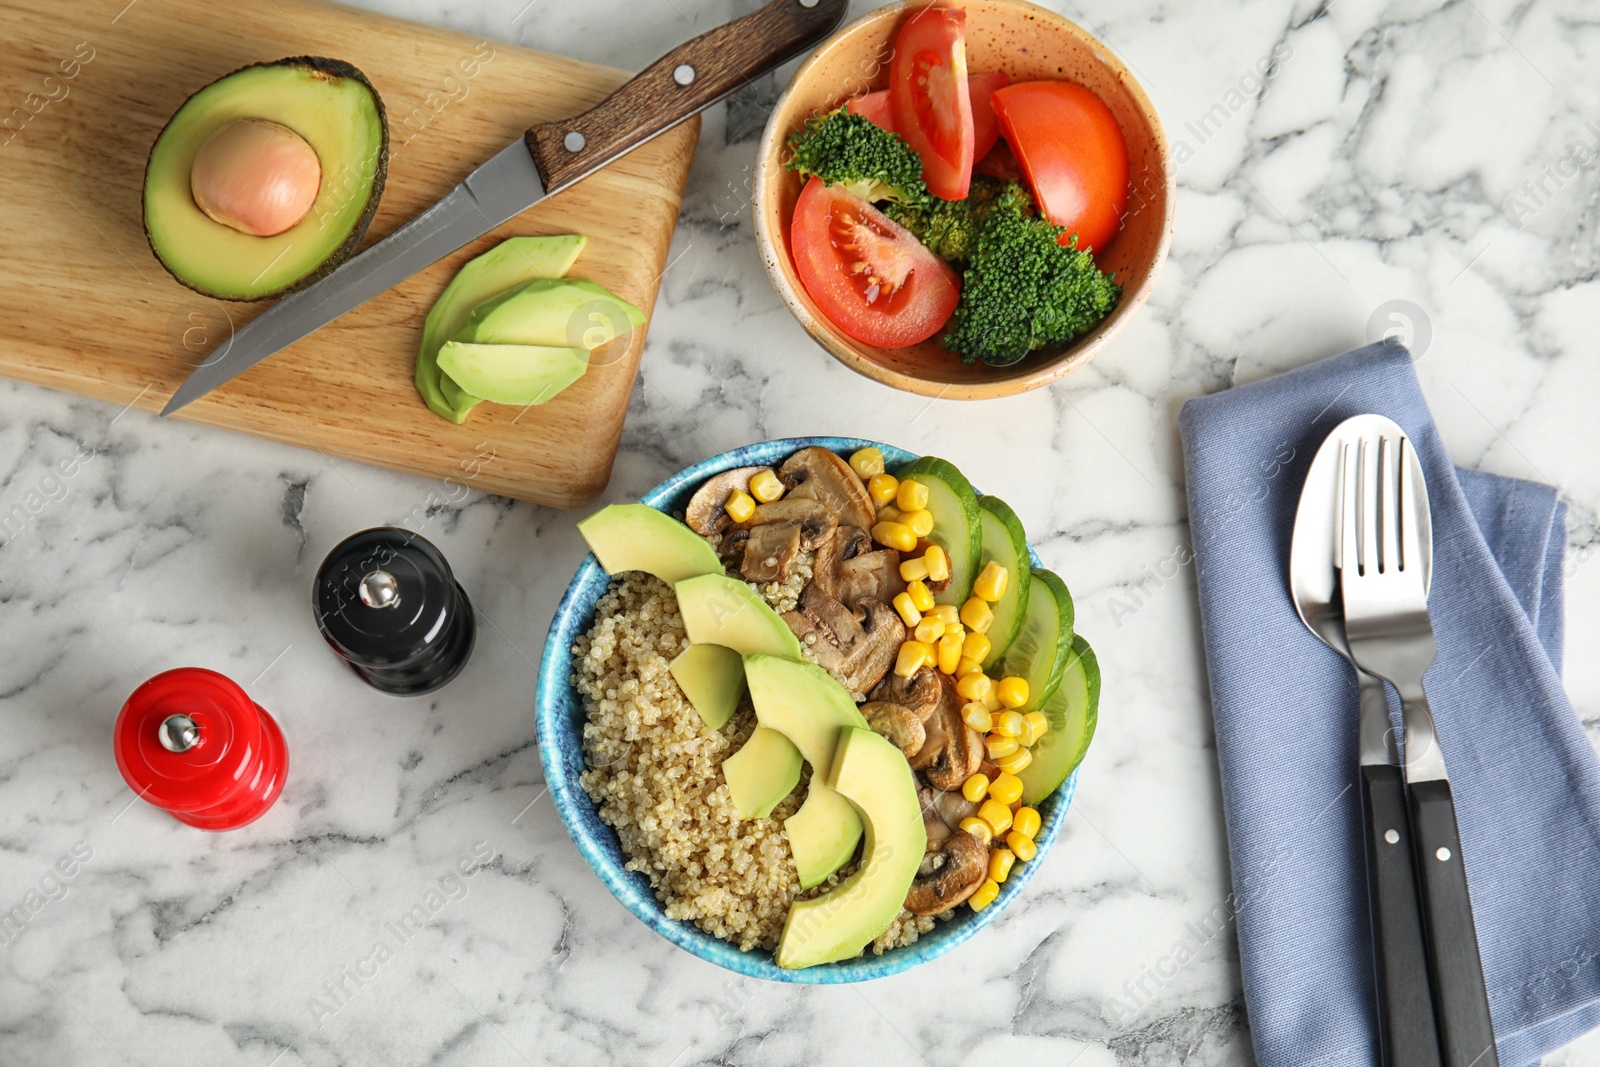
{"x":1391,"y":635}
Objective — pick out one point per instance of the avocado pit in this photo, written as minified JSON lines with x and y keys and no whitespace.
{"x":255,"y":176}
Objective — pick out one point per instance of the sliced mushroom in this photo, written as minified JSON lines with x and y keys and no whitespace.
{"x":942,"y":813}
{"x":818,"y":474}
{"x":951,"y":751}
{"x":707,"y":513}
{"x":769,"y":552}
{"x":850,"y":570}
{"x":949,"y":875}
{"x":856,"y":647}
{"x":920,"y":693}
{"x":899,"y":725}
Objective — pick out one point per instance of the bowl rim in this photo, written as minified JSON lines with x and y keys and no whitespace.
{"x":772,"y":253}
{"x":632,"y":889}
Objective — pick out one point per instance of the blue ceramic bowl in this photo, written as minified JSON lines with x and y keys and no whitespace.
{"x":560,"y":719}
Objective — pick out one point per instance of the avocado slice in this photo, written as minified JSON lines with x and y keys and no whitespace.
{"x":712,"y":677}
{"x":805,"y":704}
{"x":512,"y":374}
{"x":637,"y":537}
{"x":558,"y":312}
{"x":874,"y":777}
{"x":720,"y":610}
{"x":764,"y":771}
{"x":337,"y":111}
{"x":505,"y":266}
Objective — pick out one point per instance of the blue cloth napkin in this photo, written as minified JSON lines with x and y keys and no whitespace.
{"x":1526,"y":779}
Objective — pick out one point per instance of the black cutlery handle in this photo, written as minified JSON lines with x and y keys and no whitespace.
{"x":1461,"y":1000}
{"x":1406,"y":1029}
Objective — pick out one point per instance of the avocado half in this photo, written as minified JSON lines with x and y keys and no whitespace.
{"x":330,"y":104}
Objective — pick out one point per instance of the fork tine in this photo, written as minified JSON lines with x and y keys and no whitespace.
{"x":1367,"y":507}
{"x":1410,"y":536}
{"x":1345,"y":540}
{"x":1388,"y":508}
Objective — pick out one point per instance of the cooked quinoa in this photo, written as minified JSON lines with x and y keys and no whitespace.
{"x":654,"y":772}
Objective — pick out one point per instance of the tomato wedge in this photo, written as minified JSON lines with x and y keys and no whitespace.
{"x":1000,"y":163}
{"x":868,"y":274}
{"x":874,"y":107}
{"x":930,"y":100}
{"x":1071,"y":148}
{"x":985,"y":124}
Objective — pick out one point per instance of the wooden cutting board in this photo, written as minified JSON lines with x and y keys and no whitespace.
{"x":85,"y":306}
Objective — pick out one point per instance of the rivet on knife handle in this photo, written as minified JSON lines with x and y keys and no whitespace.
{"x":679,"y":84}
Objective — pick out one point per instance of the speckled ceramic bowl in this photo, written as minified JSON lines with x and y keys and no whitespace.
{"x":1028,"y":43}
{"x":560,"y":730}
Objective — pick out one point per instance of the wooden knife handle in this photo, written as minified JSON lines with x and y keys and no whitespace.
{"x":1465,"y":1029}
{"x":680,"y":84}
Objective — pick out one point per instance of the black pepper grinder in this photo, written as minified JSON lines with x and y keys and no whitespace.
{"x":386,"y":602}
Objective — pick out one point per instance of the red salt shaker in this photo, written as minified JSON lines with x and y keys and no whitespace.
{"x":194,"y":743}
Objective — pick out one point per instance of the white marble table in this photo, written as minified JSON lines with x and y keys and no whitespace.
{"x":1399,"y":153}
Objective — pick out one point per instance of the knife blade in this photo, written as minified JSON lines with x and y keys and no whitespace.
{"x":548,"y":159}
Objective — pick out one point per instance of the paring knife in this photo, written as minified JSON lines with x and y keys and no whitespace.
{"x":548,"y":159}
{"x":1407,"y":1031}
{"x":1383,"y":499}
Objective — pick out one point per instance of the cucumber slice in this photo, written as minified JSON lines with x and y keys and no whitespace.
{"x":1005,"y":543}
{"x":956,"y":526}
{"x":1044,"y":643}
{"x":1073,"y":711}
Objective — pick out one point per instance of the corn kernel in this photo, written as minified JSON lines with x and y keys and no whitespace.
{"x":921,"y":521}
{"x":911,"y":659}
{"x":975,"y":788}
{"x":1000,"y":861}
{"x":740,"y":505}
{"x":1029,"y":736}
{"x":913,"y":570}
{"x":978,"y":828}
{"x":967,"y":666}
{"x":894,"y":535}
{"x":882,"y":488}
{"x":977,"y":647}
{"x":908,"y":611}
{"x":977,"y":716}
{"x":985,"y":894}
{"x":765,"y":486}
{"x":996,"y":814}
{"x":999,"y":746}
{"x":973,"y":686}
{"x":1016,"y":761}
{"x":929,"y":630}
{"x":1040,"y":722}
{"x":1008,"y":724}
{"x":948,"y":612}
{"x":867,"y":463}
{"x":1013,"y":691}
{"x":1026,"y":822}
{"x":991,"y":582}
{"x":938,"y":563}
{"x":1005,"y":789}
{"x":949,"y":653}
{"x":991,"y":699}
{"x":975,"y":613}
{"x":911,"y":496}
{"x":955,"y":627}
{"x":920,"y":596}
{"x":1022,"y":845}
{"x":888,"y":513}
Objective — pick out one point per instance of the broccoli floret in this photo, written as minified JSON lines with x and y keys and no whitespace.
{"x":950,"y":228}
{"x":1023,"y":289}
{"x":842,"y":148}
